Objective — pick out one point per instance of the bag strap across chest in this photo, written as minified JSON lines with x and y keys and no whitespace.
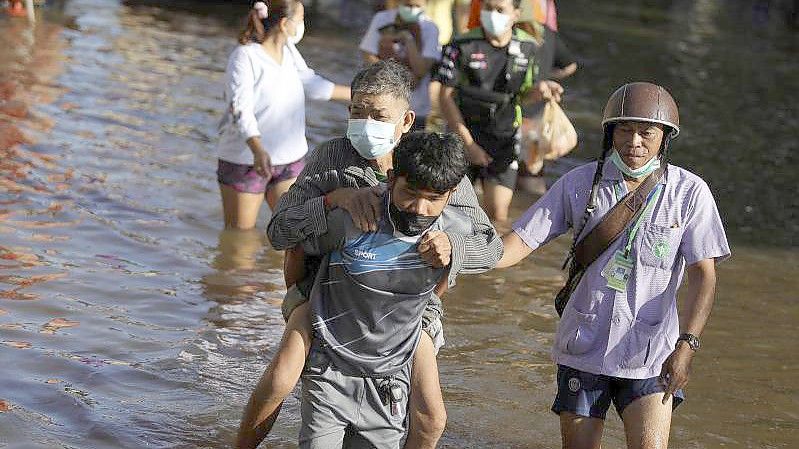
{"x":607,"y":231}
{"x":615,"y":221}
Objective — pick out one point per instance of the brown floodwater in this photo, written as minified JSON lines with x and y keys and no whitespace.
{"x":129,"y":318}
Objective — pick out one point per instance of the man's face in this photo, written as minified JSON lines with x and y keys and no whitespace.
{"x":384,"y":108}
{"x":637,"y":142}
{"x":418,"y":201}
{"x":414,"y":3}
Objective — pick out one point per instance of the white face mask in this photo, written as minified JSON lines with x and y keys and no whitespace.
{"x":371,"y":138}
{"x":410,"y":14}
{"x":495,"y":23}
{"x":635,"y":173}
{"x":298,"y":33}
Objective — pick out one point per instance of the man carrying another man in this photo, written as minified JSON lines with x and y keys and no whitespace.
{"x":368,"y":300}
{"x":345,"y":173}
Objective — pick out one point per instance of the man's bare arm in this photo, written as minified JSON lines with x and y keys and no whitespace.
{"x":699,"y":297}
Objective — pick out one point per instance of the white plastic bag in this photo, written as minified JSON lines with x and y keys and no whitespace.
{"x":556,"y":136}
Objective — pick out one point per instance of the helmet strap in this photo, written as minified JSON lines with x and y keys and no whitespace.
{"x":665,"y":147}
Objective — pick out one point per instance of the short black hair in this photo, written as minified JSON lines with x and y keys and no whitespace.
{"x":431,"y":161}
{"x":384,"y":77}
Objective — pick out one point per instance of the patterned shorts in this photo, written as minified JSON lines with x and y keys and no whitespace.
{"x":244,"y":178}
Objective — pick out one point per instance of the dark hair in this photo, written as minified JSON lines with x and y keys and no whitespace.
{"x":257,"y":28}
{"x":384,"y":77}
{"x":668,"y":132}
{"x":431,"y":161}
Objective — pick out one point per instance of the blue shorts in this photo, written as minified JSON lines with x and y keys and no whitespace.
{"x":590,"y":395}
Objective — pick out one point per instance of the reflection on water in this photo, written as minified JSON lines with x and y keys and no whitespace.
{"x":128,"y":319}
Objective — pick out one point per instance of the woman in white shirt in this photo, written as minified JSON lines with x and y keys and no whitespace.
{"x":262,"y":143}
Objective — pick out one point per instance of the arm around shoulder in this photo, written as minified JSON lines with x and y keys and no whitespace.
{"x":301,"y":211}
{"x":480,"y":250}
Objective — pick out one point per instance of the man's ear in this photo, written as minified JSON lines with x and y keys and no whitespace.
{"x":407,"y":120}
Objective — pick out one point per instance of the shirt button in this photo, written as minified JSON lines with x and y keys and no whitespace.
{"x":616,"y":320}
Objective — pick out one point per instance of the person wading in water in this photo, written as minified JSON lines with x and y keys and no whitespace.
{"x":262,"y":142}
{"x":640,"y":223}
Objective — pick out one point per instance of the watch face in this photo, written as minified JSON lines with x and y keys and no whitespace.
{"x":692,"y":340}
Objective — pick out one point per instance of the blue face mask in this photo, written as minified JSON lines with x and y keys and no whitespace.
{"x":636,"y":173}
{"x":371,"y":138}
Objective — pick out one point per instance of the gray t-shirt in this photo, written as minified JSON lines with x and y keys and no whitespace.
{"x":371,"y":290}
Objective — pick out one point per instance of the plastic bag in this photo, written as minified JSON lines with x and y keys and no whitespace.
{"x":556,"y":137}
{"x":548,"y":136}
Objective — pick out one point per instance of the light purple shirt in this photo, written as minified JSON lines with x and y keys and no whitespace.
{"x":629,"y":334}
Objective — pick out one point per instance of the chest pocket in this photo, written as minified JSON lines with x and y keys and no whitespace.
{"x":520,"y":66}
{"x":659,"y":245}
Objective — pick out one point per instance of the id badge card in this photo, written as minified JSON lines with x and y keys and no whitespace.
{"x":618,"y":271}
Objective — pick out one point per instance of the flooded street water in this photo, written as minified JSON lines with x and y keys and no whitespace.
{"x":129,"y":319}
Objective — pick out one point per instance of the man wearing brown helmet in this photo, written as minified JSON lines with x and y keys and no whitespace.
{"x":640,"y":224}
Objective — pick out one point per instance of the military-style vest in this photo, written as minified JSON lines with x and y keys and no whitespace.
{"x":492,"y":105}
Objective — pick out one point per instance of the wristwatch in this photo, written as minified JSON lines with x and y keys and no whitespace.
{"x":691,"y":339}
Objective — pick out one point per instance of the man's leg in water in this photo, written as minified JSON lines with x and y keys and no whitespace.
{"x":647,"y":422}
{"x":427,"y":413}
{"x":277,"y":382}
{"x":428,"y":417}
{"x":283,"y":371}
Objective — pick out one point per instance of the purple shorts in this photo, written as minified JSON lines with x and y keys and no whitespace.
{"x":244,"y":178}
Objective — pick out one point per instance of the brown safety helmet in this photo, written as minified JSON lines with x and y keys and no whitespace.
{"x":642,"y":102}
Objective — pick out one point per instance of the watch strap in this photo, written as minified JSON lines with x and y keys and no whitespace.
{"x":691,"y":339}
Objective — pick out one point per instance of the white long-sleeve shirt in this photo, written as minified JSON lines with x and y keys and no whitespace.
{"x":267,"y":99}
{"x":316,"y":86}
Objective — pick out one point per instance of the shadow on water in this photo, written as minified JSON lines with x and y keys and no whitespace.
{"x":128,"y":319}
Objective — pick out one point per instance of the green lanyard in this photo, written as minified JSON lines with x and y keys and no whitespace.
{"x":380,"y":176}
{"x":650,"y":204}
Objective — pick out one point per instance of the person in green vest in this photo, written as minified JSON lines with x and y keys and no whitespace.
{"x":486,"y":74}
